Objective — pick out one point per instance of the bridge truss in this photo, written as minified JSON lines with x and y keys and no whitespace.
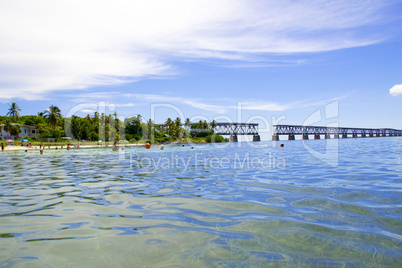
{"x":236,"y":128}
{"x":317,"y":130}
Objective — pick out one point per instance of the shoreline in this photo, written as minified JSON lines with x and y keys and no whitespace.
{"x":19,"y":148}
{"x":89,"y":146}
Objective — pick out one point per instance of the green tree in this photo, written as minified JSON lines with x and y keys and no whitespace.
{"x":133,"y":128}
{"x":7,"y":126}
{"x":177,"y":131}
{"x":169,"y":124}
{"x":95,"y":123}
{"x":151,"y":130}
{"x":14,"y":110}
{"x":213,"y":124}
{"x":53,"y":114}
{"x":15,"y":130}
{"x":188,"y":122}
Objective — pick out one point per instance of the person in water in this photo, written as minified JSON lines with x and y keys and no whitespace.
{"x":147,"y":145}
{"x":115,"y":146}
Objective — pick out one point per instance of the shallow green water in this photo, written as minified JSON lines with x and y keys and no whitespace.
{"x":246,"y":206}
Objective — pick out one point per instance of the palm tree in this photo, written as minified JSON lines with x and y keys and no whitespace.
{"x":54,"y":115}
{"x":213,"y":124}
{"x":14,"y":110}
{"x":188,"y":122}
{"x":7,"y":126}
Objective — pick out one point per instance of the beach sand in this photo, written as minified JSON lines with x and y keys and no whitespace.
{"x":17,"y":148}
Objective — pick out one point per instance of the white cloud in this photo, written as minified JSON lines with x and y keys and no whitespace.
{"x":48,"y":45}
{"x":118,"y":100}
{"x":266,"y":106}
{"x":396,"y":90}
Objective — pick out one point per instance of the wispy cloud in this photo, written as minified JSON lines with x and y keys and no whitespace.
{"x":49,"y":45}
{"x":396,"y":90}
{"x":132,"y":99}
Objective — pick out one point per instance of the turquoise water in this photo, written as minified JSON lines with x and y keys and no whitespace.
{"x":310,"y":204}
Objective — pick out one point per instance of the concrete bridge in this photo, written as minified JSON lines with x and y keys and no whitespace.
{"x":335,"y":132}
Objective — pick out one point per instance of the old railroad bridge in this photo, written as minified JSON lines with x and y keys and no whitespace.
{"x":234,"y":129}
{"x":335,"y":132}
{"x":231,"y":129}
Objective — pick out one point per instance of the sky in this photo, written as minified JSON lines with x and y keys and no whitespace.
{"x":271,"y":62}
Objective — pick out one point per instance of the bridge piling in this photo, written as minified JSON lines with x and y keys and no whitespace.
{"x":305,"y":136}
{"x":275,"y":137}
{"x":291,"y":137}
{"x":256,"y":138}
{"x":233,"y":138}
{"x":317,"y":136}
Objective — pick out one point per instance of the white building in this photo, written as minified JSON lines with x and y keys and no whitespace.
{"x":26,"y":131}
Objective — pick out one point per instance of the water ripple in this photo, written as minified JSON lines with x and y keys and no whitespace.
{"x":234,"y":207}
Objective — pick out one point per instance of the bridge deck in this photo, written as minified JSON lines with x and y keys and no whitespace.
{"x":318,"y":130}
{"x":227,"y":128}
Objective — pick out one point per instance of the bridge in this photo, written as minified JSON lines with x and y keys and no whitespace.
{"x":234,"y":129}
{"x":317,"y":131}
{"x":231,"y":129}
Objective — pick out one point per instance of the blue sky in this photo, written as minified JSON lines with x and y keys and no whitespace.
{"x":229,"y":60}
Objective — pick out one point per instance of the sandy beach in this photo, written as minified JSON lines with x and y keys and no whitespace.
{"x":64,"y":147}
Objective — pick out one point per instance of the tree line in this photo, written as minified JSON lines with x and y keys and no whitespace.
{"x":95,"y":127}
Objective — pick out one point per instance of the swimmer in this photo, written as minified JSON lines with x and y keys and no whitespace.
{"x":147,"y":145}
{"x":282,"y":145}
{"x":162,"y":147}
{"x":115,"y":146}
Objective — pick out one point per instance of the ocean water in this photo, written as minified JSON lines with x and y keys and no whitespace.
{"x":315,"y":203}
